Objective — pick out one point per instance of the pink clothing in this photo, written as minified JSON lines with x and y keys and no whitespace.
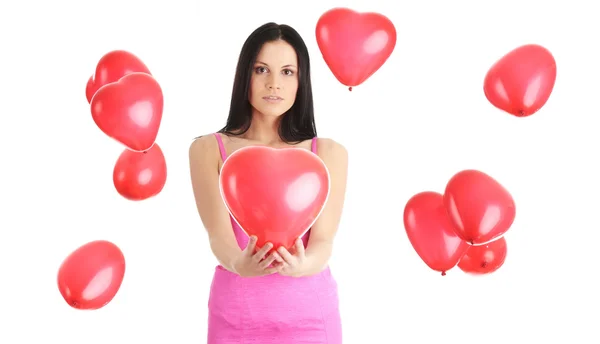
{"x":272,"y":309}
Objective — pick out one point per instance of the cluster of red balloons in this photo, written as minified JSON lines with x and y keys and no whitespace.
{"x":127,"y":105}
{"x":355,"y":45}
{"x":464,"y":226}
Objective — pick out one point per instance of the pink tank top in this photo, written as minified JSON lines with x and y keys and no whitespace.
{"x":240,"y":235}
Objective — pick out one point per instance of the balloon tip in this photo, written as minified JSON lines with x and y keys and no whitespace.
{"x":484,"y":265}
{"x":75,"y":304}
{"x":443,"y":273}
{"x":350,"y":88}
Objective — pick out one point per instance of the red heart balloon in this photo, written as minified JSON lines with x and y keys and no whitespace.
{"x":111,"y":68}
{"x":140,"y":175}
{"x":130,"y":110}
{"x":274,"y":194}
{"x":430,"y":232}
{"x":354,"y":45}
{"x":484,"y":259}
{"x":480,"y":209}
{"x":521,"y":82}
{"x":91,"y":276}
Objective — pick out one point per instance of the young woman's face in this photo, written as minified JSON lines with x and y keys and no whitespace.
{"x":274,"y":79}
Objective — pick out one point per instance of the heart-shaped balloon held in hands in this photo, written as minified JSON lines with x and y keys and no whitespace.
{"x":91,"y":276}
{"x":480,"y":209}
{"x":138,"y":176}
{"x":111,"y":68}
{"x":130,"y":110}
{"x":354,"y":45}
{"x":274,"y":194}
{"x":430,"y":232}
{"x":521,"y":82}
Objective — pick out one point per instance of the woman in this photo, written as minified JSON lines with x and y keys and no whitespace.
{"x":285,"y":297}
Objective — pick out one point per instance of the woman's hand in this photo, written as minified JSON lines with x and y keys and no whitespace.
{"x":250,"y":264}
{"x":292,"y":264}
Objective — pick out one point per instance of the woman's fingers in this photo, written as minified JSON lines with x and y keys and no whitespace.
{"x":262,"y":252}
{"x":266,"y":262}
{"x":251,"y":246}
{"x":286,"y":255}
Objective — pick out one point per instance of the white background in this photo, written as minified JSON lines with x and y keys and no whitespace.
{"x":420,"y":119}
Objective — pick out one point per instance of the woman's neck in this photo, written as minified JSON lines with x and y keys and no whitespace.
{"x":264,"y":129}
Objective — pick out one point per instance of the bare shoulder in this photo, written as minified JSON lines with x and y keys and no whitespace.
{"x":332,"y":151}
{"x":203,"y":147}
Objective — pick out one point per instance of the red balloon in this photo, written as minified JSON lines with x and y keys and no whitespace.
{"x":140,"y":175}
{"x":90,"y":277}
{"x":130,"y":110}
{"x":430,"y":232}
{"x":111,"y":68}
{"x":480,"y":209}
{"x":484,"y":259}
{"x":274,"y":194}
{"x":354,"y":45}
{"x":521,"y":82}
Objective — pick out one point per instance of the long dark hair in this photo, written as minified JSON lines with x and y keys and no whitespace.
{"x":298,"y":123}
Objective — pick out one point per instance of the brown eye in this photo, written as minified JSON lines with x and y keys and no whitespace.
{"x":261,"y":70}
{"x":288,"y":72}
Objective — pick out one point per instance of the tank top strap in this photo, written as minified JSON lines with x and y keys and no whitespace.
{"x":313,"y":147}
{"x":221,"y":146}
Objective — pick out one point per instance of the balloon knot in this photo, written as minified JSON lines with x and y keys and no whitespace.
{"x":145,"y":152}
{"x":350,"y":88}
{"x":484,"y":265}
{"x":521,"y":113}
{"x":75,"y":304}
{"x":443,"y":273}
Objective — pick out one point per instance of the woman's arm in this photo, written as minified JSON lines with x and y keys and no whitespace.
{"x":322,"y":233}
{"x":204,"y":171}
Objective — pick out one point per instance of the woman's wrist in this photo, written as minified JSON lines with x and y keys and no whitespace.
{"x":317,"y":257}
{"x":227,"y":254}
{"x":234,"y":263}
{"x":313,"y":265}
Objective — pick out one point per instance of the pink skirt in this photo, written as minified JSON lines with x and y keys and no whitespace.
{"x":273,"y":309}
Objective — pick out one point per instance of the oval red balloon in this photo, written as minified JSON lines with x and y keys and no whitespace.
{"x":480,"y":209}
{"x":140,"y":175}
{"x":484,"y":259}
{"x":354,"y":45}
{"x":90,"y":277}
{"x":521,"y":82}
{"x":111,"y":68}
{"x":274,"y":194}
{"x":430,"y":232}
